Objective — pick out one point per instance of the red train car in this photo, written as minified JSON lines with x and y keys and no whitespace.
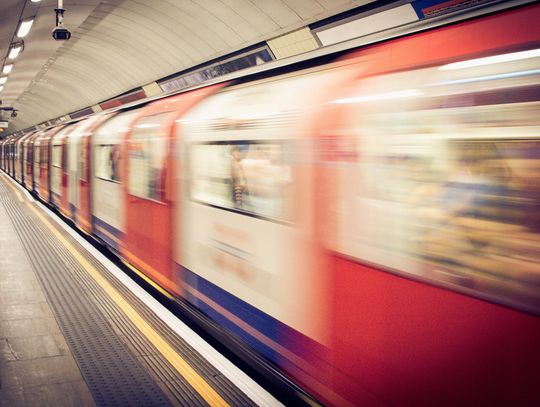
{"x":423,"y":161}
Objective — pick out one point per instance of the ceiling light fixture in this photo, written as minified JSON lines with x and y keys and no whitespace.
{"x":1,"y":88}
{"x":15,"y":50}
{"x":7,"y":68}
{"x":24,"y":28}
{"x":3,"y":80}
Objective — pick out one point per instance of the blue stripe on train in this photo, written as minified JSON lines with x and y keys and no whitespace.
{"x":98,"y":223}
{"x":270,"y":327}
{"x":259,"y":320}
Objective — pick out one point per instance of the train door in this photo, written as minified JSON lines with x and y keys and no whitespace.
{"x":19,"y":158}
{"x":6,"y":154}
{"x":83,"y":215}
{"x":37,"y":164}
{"x":22,"y":157}
{"x":148,"y":203}
{"x":149,"y":200}
{"x":64,"y":186}
{"x":107,"y":205}
{"x":27,"y":160}
{"x":44,"y":168}
{"x":73,"y":159}
{"x":45,"y":151}
{"x":2,"y":143}
{"x":11,"y":155}
{"x":29,"y":175}
{"x":78,"y":167}
{"x":56,"y":167}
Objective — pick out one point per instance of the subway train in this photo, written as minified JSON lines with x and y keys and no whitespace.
{"x":366,"y":224}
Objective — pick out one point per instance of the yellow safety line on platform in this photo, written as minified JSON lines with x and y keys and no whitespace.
{"x":192,"y":377}
{"x":148,"y":280}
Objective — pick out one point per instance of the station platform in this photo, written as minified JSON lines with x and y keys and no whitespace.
{"x":76,"y":331}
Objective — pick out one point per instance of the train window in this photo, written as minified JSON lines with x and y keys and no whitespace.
{"x":247,"y":176}
{"x":56,"y":155}
{"x":445,"y":183}
{"x":107,"y":161}
{"x":29,"y":152}
{"x":82,"y":161}
{"x":36,"y":153}
{"x":43,"y":151}
{"x":147,"y":158}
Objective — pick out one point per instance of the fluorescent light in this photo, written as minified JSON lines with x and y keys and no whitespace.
{"x":24,"y":28}
{"x":36,"y":1}
{"x":496,"y":59}
{"x":380,"y":96}
{"x":15,"y":51}
{"x":3,"y":80}
{"x":1,"y":88}
{"x":7,"y":68}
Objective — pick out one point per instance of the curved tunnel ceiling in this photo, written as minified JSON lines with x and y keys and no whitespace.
{"x":118,"y":45}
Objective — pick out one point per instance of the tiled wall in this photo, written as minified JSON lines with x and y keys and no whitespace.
{"x":293,"y":43}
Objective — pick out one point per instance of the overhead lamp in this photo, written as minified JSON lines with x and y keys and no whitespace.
{"x":3,"y":80}
{"x":1,"y":88}
{"x":36,"y":1}
{"x":24,"y":28}
{"x":15,"y":50}
{"x":7,"y":68}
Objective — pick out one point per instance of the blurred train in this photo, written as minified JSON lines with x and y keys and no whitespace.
{"x":370,"y":225}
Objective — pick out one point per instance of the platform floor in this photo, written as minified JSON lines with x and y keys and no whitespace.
{"x":36,"y":364}
{"x":73,"y":332}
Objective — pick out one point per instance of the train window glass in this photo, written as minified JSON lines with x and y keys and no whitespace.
{"x":45,"y":155}
{"x":36,"y":153}
{"x":82,"y":159}
{"x":248,"y":176}
{"x":445,"y":183}
{"x":56,"y":158}
{"x":147,"y":149}
{"x":64,"y":156}
{"x":107,"y":161}
{"x":106,"y":146}
{"x":29,"y":152}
